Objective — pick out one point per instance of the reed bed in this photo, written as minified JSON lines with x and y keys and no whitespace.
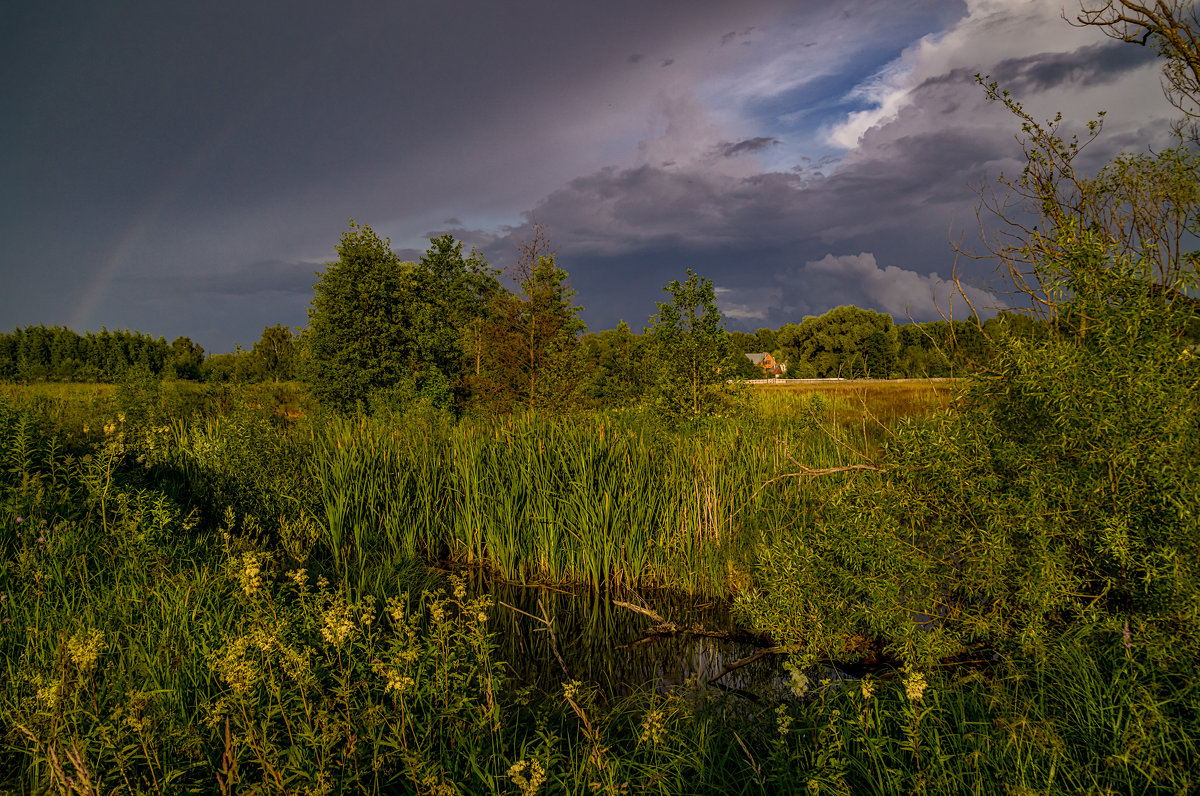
{"x":603,"y":501}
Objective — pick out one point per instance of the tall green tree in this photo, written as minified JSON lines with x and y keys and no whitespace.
{"x":375,"y":326}
{"x":404,"y":331}
{"x":275,"y":354}
{"x":534,"y":337}
{"x":185,"y":359}
{"x":690,"y":349}
{"x":464,"y":290}
{"x":835,"y":344}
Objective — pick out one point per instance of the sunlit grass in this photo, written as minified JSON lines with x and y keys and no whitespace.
{"x":150,"y":648}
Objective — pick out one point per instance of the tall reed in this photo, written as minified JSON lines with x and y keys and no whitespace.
{"x":604,"y":500}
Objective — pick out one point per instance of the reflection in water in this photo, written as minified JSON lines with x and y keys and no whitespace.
{"x":612,"y":648}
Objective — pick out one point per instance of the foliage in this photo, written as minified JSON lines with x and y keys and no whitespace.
{"x":690,"y":348}
{"x":36,"y":353}
{"x":148,"y":654}
{"x":275,"y":354}
{"x":377,"y":324}
{"x":464,"y":289}
{"x":532,"y":355}
{"x":1062,"y":494}
{"x":615,"y":364}
{"x":845,"y":342}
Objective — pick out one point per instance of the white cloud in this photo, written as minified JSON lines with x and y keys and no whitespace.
{"x":749,"y":306}
{"x":992,"y":33}
{"x":901,"y":293}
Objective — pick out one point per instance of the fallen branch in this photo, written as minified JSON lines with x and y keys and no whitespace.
{"x":749,"y":659}
{"x":549,"y":626}
{"x":664,"y":623}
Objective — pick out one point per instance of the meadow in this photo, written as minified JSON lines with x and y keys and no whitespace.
{"x":228,"y":590}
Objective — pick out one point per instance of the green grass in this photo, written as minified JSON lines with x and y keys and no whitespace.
{"x":155,"y":642}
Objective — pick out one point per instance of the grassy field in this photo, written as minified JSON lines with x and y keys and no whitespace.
{"x":203,"y":592}
{"x":874,"y":401}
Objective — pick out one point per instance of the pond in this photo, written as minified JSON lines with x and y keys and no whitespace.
{"x":551,"y":635}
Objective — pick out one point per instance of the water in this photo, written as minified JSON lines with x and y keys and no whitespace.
{"x":618,"y":650}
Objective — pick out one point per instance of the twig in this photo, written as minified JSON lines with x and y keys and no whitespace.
{"x":730,"y":667}
{"x":549,"y":625}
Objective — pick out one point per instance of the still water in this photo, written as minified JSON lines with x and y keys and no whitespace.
{"x":617,"y":649}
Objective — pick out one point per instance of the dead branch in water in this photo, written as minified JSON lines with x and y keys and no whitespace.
{"x":662,"y":623}
{"x":749,"y":659}
{"x":548,"y":623}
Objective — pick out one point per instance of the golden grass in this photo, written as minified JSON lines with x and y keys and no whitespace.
{"x":54,"y":389}
{"x":874,"y":406}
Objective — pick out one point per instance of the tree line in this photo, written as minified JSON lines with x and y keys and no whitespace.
{"x":445,"y":331}
{"x":36,"y":353}
{"x":58,"y":354}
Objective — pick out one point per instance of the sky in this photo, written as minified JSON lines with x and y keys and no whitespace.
{"x":188,"y":168}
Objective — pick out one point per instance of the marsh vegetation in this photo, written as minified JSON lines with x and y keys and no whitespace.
{"x":980,"y":586}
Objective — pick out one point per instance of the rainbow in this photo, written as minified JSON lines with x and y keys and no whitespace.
{"x":143,"y":222}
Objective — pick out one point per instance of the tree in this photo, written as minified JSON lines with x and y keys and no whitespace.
{"x":186,"y":358}
{"x":464,"y":289}
{"x":690,"y":348}
{"x":1058,"y":502}
{"x":534,"y":336}
{"x":376,"y":325}
{"x":1173,"y":27}
{"x":745,"y":343}
{"x":275,"y":353}
{"x":614,"y":363}
{"x":835,"y":344}
{"x":766,"y":339}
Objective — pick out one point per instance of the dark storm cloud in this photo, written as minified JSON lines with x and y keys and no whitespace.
{"x":749,"y":145}
{"x":1096,"y":65}
{"x":251,"y":279}
{"x":880,"y":230}
{"x":166,"y":138}
{"x":185,"y":169}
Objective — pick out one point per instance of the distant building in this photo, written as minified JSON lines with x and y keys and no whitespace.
{"x":768,"y":364}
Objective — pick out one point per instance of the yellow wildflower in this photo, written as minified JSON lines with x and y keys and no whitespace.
{"x":529,"y":785}
{"x":654,"y":729}
{"x":395,"y":609}
{"x":232,"y":665}
{"x":783,"y":720}
{"x":85,"y":648}
{"x":799,"y":683}
{"x":915,"y":685}
{"x":251,"y":575}
{"x":48,"y":692}
{"x":339,"y":626}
